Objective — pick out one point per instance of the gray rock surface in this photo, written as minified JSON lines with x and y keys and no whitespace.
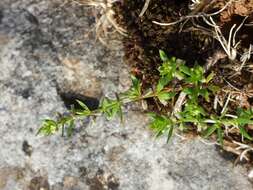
{"x":47,"y":48}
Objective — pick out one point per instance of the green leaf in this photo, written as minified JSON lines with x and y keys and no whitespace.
{"x":245,"y":117}
{"x":204,"y":92}
{"x":245,"y":114}
{"x":70,"y":128}
{"x":136,"y":84}
{"x":49,"y":127}
{"x":160,"y":124}
{"x":168,"y":68}
{"x":187,"y":118}
{"x":148,"y":93}
{"x":244,"y":133}
{"x":82,"y":112}
{"x":209,"y":77}
{"x":163,"y":81}
{"x":220,"y":135}
{"x":110,"y":108}
{"x":209,"y":131}
{"x":120,"y":109}
{"x":189,"y":91}
{"x":213,"y":88}
{"x":64,"y":120}
{"x":201,"y":125}
{"x":193,"y":94}
{"x":198,"y":70}
{"x":196,"y":75}
{"x":135,"y":90}
{"x":182,"y":126}
{"x":83,"y":105}
{"x":243,"y":121}
{"x":170,"y":133}
{"x":179,"y":75}
{"x":185,"y":69}
{"x":229,"y":121}
{"x":85,"y":112}
{"x":163,"y":56}
{"x":165,"y":96}
{"x":194,"y":110}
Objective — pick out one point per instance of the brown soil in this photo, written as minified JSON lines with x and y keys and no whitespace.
{"x":187,"y":42}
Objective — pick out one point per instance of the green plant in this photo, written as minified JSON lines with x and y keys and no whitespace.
{"x":176,"y":78}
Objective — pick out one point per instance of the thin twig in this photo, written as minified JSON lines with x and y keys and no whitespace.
{"x":226,"y":104}
{"x":145,"y":7}
{"x":202,"y":14}
{"x":179,"y":103}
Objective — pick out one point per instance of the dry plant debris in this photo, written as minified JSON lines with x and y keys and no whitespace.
{"x":106,"y":25}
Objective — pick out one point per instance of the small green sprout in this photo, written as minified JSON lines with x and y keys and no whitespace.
{"x":193,"y":81}
{"x":111,"y":108}
{"x":161,"y":125}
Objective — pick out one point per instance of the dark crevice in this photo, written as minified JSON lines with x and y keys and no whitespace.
{"x":1,"y":16}
{"x":27,"y":149}
{"x":69,"y":99}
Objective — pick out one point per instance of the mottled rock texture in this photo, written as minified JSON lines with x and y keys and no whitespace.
{"x":48,"y":50}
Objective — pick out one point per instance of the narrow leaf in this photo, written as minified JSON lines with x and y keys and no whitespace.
{"x":163,"y":81}
{"x":220,"y":136}
{"x":165,"y":96}
{"x":163,"y":56}
{"x":185,"y":69}
{"x":70,"y":128}
{"x":244,"y":133}
{"x":210,"y":130}
{"x":83,"y":105}
{"x":170,"y":133}
{"x":209,"y":77}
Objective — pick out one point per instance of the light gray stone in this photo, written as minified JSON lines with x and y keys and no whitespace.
{"x":44,"y":51}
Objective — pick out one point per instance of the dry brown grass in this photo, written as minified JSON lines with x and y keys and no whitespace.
{"x":106,"y":25}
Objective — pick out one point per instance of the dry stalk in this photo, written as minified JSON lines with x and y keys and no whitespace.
{"x":198,"y":15}
{"x":105,"y":21}
{"x":145,"y":7}
{"x":194,"y":4}
{"x":226,"y":104}
{"x":249,"y":24}
{"x":215,"y":104}
{"x":246,"y":57}
{"x":179,"y":103}
{"x":230,"y":45}
{"x":211,"y":61}
{"x":239,"y":92}
{"x":244,"y":150}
